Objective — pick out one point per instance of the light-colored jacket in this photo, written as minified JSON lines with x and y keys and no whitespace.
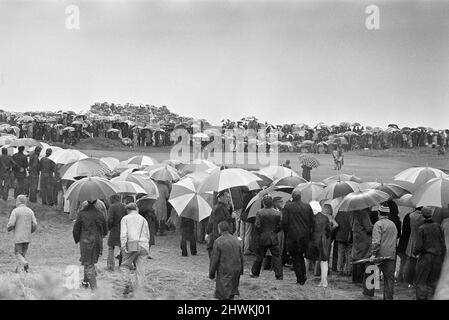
{"x":23,"y":222}
{"x":134,"y":227}
{"x":384,"y":238}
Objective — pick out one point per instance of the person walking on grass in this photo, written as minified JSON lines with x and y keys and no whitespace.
{"x":23,"y":222}
{"x":188,"y":234}
{"x":134,"y":240}
{"x":116,"y":212}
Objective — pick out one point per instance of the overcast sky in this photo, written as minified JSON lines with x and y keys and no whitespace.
{"x":282,"y":61}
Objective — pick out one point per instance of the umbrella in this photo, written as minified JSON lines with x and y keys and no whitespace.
{"x":141,"y":161}
{"x":7,"y":139}
{"x":277,"y":172}
{"x":392,"y":130}
{"x":111,"y":162}
{"x":356,"y":124}
{"x":201,"y":135}
{"x":394,"y":190}
{"x":256,"y":203}
{"x":87,"y":167}
{"x":188,"y":201}
{"x":307,"y":142}
{"x":340,"y":140}
{"x":25,"y":142}
{"x":5,"y":127}
{"x":309,"y":161}
{"x":338,"y":189}
{"x":392,"y":125}
{"x":265,"y":181}
{"x":197,"y":165}
{"x":71,"y":129}
{"x":77,"y":122}
{"x":345,"y":124}
{"x":113,"y":130}
{"x":198,"y":176}
{"x":44,"y":150}
{"x":128,"y":187}
{"x":90,"y":189}
{"x":65,"y":156}
{"x":310,"y":190}
{"x":362,"y":199}
{"x":25,"y":119}
{"x":165,"y":173}
{"x":227,"y":178}
{"x":350,"y":133}
{"x":412,"y":178}
{"x":434,"y":193}
{"x":290,"y":181}
{"x":143,"y":180}
{"x":369,"y":185}
{"x":173,"y":162}
{"x":405,"y":201}
{"x":342,"y":177}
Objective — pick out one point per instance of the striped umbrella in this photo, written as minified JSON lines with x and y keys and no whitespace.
{"x":128,"y":187}
{"x":197,"y":165}
{"x":88,"y":167}
{"x":188,"y":201}
{"x":290,"y":181}
{"x":143,"y":180}
{"x":90,"y":189}
{"x":310,"y":190}
{"x":277,"y":172}
{"x":394,"y":190}
{"x":65,"y":156}
{"x":434,"y":193}
{"x":111,"y":162}
{"x":227,"y":178}
{"x":338,"y":189}
{"x":165,"y":173}
{"x":141,"y":161}
{"x":412,"y":178}
{"x":342,"y":177}
{"x":309,"y":160}
{"x":362,"y":199}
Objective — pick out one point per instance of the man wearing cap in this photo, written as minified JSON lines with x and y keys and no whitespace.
{"x":47,"y":167}
{"x":6,"y":167}
{"x":384,"y":240}
{"x":34,"y":173}
{"x":430,"y":248}
{"x":20,"y":173}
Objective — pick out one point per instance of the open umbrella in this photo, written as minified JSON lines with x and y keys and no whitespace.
{"x":143,"y":180}
{"x":277,"y":172}
{"x":227,"y":178}
{"x":141,"y":161}
{"x":290,"y":181}
{"x":405,"y":201}
{"x":7,"y":139}
{"x":25,"y":119}
{"x":77,"y":122}
{"x":362,"y":199}
{"x":338,"y":189}
{"x":309,"y":161}
{"x":394,"y":190}
{"x":342,"y":177}
{"x":128,"y":187}
{"x":350,"y":133}
{"x":188,"y":201}
{"x":70,"y":129}
{"x":340,"y":140}
{"x":90,"y":189}
{"x":165,"y":173}
{"x":197,"y":165}
{"x":310,"y":190}
{"x":87,"y":167}
{"x":256,"y":203}
{"x":434,"y":193}
{"x":412,"y":178}
{"x":201,"y":135}
{"x":111,"y":162}
{"x":65,"y":156}
{"x":25,"y":142}
{"x":369,"y":185}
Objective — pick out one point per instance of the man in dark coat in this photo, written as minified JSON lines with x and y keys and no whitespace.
{"x":430,"y":248}
{"x":116,"y":212}
{"x":226,"y":264}
{"x":344,"y":243}
{"x":145,"y":206}
{"x":6,"y":167}
{"x":88,"y":231}
{"x":188,"y":234}
{"x":34,"y":173}
{"x":20,"y":172}
{"x":219,"y":213}
{"x":47,"y":167}
{"x":402,"y":246}
{"x":416,"y":220}
{"x":268,"y":225}
{"x":297,"y":223}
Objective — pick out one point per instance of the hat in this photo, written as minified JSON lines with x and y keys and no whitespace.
{"x":426,"y":212}
{"x":131,"y":206}
{"x":384,"y":210}
{"x":316,"y":207}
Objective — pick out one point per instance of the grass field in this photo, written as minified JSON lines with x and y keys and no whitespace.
{"x":168,"y":274}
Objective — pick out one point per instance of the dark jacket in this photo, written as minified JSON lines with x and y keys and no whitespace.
{"x":362,"y":229}
{"x":297,"y":222}
{"x":344,"y":227}
{"x":268,"y":225}
{"x":21,"y":164}
{"x":405,"y":234}
{"x":6,"y":165}
{"x":321,"y":237}
{"x":226,"y":266}
{"x":34,"y":165}
{"x":187,"y":227}
{"x":116,"y":212}
{"x":88,"y":231}
{"x":146,"y":209}
{"x":47,"y":167}
{"x":430,"y":239}
{"x":219,"y":213}
{"x":416,"y":220}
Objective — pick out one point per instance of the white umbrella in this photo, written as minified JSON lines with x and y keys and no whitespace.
{"x":84,"y":168}
{"x":91,"y":188}
{"x":141,"y":161}
{"x":412,"y":178}
{"x":111,"y":162}
{"x":227,"y":178}
{"x":128,"y":187}
{"x":434,"y":193}
{"x":65,"y":156}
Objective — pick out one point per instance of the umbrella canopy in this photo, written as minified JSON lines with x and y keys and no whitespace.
{"x":173,"y":162}
{"x":198,"y":176}
{"x":362,"y":199}
{"x":65,"y":156}
{"x":90,"y":189}
{"x":342,"y":177}
{"x":111,"y":162}
{"x":405,"y":201}
{"x":434,"y":193}
{"x":25,"y":119}
{"x":369,"y":185}
{"x":340,"y":140}
{"x":141,"y":161}
{"x":128,"y":187}
{"x":290,"y":181}
{"x":187,"y":200}
{"x":5,"y":127}
{"x":277,"y":172}
{"x":88,"y":167}
{"x":350,"y":133}
{"x":77,"y":122}
{"x":412,"y":178}
{"x":339,"y":189}
{"x":25,"y":142}
{"x":165,"y":173}
{"x":70,"y":129}
{"x":4,"y":140}
{"x":309,"y":161}
{"x":197,"y":165}
{"x":255,"y":204}
{"x":201,"y":135}
{"x":143,"y":180}
{"x":227,"y":178}
{"x":394,"y":190}
{"x":113,"y":130}
{"x":310,"y":190}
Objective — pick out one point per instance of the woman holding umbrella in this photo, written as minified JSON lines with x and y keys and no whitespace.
{"x":307,"y":163}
